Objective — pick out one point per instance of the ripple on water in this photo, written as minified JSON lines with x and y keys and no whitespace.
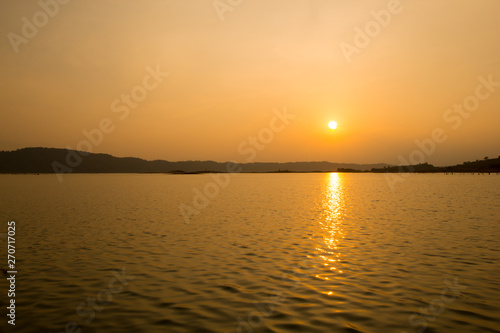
{"x":308,"y":252}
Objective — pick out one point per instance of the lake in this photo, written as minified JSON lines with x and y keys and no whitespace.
{"x":254,"y":253}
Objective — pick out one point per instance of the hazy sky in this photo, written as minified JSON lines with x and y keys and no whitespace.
{"x":231,"y":63}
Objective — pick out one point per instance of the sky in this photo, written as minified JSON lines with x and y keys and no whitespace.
{"x":253,"y":80}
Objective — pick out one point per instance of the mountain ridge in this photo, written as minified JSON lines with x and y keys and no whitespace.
{"x":59,"y":160}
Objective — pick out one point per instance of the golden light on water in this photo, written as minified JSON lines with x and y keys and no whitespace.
{"x":331,"y":223}
{"x":333,"y":205}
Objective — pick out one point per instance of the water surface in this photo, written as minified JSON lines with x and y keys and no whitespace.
{"x":269,"y":253}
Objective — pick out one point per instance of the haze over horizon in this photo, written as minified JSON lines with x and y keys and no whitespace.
{"x":228,"y":78}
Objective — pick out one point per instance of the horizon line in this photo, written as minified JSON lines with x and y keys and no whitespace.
{"x":222,"y":162}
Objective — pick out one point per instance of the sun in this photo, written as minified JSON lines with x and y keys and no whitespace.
{"x":333,"y":125}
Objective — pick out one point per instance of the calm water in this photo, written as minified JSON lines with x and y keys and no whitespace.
{"x":270,"y":253}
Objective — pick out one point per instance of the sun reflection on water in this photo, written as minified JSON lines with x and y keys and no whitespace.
{"x":333,"y":207}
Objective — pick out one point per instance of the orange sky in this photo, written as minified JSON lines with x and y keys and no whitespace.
{"x":225,"y":78}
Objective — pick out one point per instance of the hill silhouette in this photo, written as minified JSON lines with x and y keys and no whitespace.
{"x":50,"y":160}
{"x":486,"y":165}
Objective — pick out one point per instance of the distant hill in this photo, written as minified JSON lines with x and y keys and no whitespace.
{"x":480,"y":166}
{"x":50,"y":160}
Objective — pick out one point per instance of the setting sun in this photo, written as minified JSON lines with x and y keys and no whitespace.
{"x":332,"y":125}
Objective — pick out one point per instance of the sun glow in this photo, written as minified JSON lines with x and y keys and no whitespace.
{"x":332,"y":125}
